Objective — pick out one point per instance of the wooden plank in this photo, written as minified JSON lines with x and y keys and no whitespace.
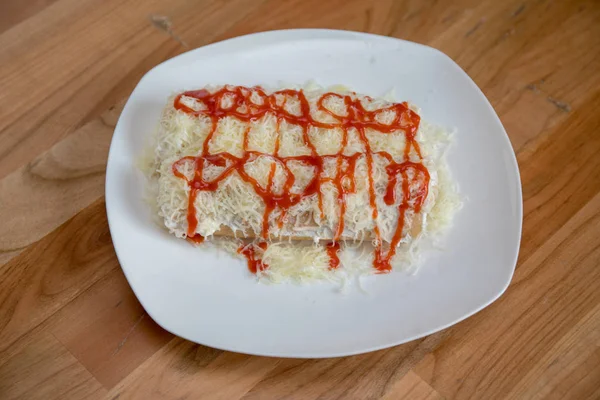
{"x":46,"y":370}
{"x":571,"y":369}
{"x":411,"y":386}
{"x":65,"y":179}
{"x":54,"y":271}
{"x":64,"y":91}
{"x":553,"y":291}
{"x":86,"y":73}
{"x":560,"y":173}
{"x":186,"y":370}
{"x":14,"y":11}
{"x":107,"y":330}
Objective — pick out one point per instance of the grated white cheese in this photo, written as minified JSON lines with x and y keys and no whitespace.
{"x":236,"y":205}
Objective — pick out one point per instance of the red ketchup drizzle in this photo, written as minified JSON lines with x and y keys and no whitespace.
{"x":332,"y":252}
{"x":242,"y":107}
{"x":197,"y":238}
{"x":249,"y":251}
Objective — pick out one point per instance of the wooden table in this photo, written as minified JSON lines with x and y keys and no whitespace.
{"x":70,"y":326}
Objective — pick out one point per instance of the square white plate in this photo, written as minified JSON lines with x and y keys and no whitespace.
{"x":212,"y":299}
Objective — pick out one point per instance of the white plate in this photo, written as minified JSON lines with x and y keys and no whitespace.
{"x":212,"y":299}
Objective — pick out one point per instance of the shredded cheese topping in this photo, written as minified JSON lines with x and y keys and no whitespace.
{"x":236,"y":205}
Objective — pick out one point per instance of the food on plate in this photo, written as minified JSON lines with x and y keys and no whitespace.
{"x":305,"y":183}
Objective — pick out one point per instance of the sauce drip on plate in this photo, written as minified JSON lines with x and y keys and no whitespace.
{"x":332,"y":251}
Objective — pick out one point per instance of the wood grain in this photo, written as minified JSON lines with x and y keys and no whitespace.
{"x":70,"y":326}
{"x":548,"y":299}
{"x":107,"y":329}
{"x":46,"y":370}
